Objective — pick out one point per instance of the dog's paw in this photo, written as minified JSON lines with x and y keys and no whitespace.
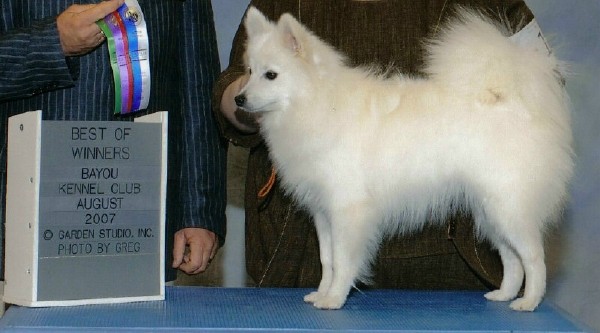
{"x":524,"y":304}
{"x":312,"y":297}
{"x":499,"y":296}
{"x":329,"y":302}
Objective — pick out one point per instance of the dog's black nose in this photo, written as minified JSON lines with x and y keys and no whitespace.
{"x":240,"y":100}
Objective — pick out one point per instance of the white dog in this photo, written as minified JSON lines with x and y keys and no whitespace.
{"x":487,"y":130}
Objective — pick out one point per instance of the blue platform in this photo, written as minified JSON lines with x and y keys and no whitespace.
{"x":197,"y":309}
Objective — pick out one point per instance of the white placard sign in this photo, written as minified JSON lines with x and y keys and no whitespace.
{"x":85,"y":210}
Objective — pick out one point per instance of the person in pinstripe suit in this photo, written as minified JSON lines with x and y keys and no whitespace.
{"x":53,"y":58}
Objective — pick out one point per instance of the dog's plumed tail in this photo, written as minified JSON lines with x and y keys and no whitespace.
{"x":474,"y":58}
{"x":473,"y":55}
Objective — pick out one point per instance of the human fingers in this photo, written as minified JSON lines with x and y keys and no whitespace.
{"x":242,"y":120}
{"x":78,"y":33}
{"x":242,"y":80}
{"x":76,"y":9}
{"x":197,"y":259}
{"x":178,"y":249}
{"x":100,"y":10}
{"x":201,"y":244}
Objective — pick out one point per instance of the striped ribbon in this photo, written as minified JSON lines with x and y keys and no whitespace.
{"x":127,"y":40}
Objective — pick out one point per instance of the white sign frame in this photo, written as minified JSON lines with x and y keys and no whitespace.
{"x":22,"y":214}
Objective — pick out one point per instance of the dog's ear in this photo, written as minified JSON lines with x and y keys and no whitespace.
{"x":256,"y":23}
{"x":293,"y":33}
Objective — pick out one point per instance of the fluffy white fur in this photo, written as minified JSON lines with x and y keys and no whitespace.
{"x":488,"y":130}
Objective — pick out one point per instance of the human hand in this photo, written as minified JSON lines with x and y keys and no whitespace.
{"x":77,"y":28}
{"x":244,"y":121}
{"x":201,"y":246}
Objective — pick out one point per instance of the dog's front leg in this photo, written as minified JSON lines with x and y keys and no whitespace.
{"x":354,"y":237}
{"x":323,"y":227}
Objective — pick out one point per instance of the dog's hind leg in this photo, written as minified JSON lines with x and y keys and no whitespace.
{"x":354,"y":236}
{"x":323,"y":227}
{"x":520,"y":239}
{"x":528,"y":244}
{"x":513,"y":274}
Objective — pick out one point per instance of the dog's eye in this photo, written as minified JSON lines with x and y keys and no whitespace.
{"x":270,"y":75}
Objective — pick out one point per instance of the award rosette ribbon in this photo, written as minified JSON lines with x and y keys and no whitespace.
{"x":127,"y":39}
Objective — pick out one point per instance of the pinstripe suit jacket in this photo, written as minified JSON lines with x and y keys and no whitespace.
{"x":35,"y":75}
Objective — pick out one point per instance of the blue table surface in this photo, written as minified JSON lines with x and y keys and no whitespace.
{"x":197,"y":309}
